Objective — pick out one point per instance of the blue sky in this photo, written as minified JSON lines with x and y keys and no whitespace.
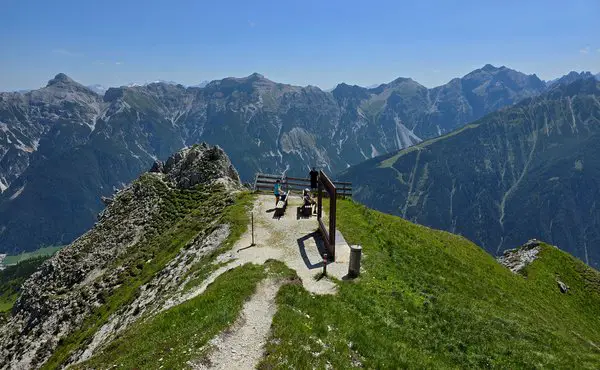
{"x":304,"y":42}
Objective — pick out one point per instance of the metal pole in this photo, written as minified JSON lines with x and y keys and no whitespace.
{"x":252,"y":228}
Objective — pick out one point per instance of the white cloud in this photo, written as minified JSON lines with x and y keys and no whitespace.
{"x":66,"y":52}
{"x":585,"y":50}
{"x":436,"y":71}
{"x":598,"y":50}
{"x":251,"y":24}
{"x":118,"y":63}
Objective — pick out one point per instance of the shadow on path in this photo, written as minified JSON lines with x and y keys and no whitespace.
{"x":320,"y":249}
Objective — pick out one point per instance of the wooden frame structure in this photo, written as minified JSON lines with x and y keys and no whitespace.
{"x":324,"y":183}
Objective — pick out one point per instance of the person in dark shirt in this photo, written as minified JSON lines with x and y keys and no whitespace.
{"x":313,"y":178}
{"x":309,"y":201}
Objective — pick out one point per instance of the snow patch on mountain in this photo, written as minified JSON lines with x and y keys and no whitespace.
{"x":404,"y":136}
{"x":374,"y":152}
{"x":17,"y":193}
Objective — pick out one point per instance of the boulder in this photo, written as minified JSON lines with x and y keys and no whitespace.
{"x":564,"y":288}
{"x":517,"y":259}
{"x":157,"y":167}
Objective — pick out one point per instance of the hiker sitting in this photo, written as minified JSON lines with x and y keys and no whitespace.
{"x":308,"y":200}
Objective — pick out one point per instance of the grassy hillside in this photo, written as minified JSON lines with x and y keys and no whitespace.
{"x":184,"y":215}
{"x":42,"y":252}
{"x":11,"y":279}
{"x":428,"y":298}
{"x":180,"y":334}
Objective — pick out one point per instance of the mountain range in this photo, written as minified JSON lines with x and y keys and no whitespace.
{"x":526,"y":171}
{"x":64,"y":146}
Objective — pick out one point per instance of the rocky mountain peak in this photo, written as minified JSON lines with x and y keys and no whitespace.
{"x":570,"y":78}
{"x":344,"y":90}
{"x":490,"y":68}
{"x":255,"y":80}
{"x":403,"y":80}
{"x":198,"y":164}
{"x":59,"y":79}
{"x":256,"y":76}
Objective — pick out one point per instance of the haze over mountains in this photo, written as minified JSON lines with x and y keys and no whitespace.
{"x":528,"y":171}
{"x":64,"y":146}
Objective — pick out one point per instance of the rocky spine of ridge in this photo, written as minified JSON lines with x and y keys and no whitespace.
{"x":200,"y":164}
{"x":71,"y":285}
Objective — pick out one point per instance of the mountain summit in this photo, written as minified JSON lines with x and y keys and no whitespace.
{"x":61,"y":78}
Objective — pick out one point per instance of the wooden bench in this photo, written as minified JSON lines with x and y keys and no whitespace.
{"x":282,"y":205}
{"x":306,"y":210}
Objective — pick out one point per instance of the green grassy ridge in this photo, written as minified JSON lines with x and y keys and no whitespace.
{"x":41,"y":252}
{"x":13,"y":277}
{"x":172,"y":338}
{"x":184,"y":214}
{"x":431,"y":299}
{"x":388,"y":160}
{"x":237,"y":217}
{"x":177,"y":335}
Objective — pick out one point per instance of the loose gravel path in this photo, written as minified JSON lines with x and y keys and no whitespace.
{"x":290,"y":239}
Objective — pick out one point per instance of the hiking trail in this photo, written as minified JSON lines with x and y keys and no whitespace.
{"x":290,"y":239}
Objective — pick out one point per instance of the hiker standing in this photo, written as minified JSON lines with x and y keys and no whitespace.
{"x":278,"y":191}
{"x":313,"y":178}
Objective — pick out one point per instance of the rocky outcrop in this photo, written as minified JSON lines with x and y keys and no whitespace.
{"x":200,"y":164}
{"x":519,"y":258}
{"x":564,"y":288}
{"x":71,"y":285}
{"x":168,"y":285}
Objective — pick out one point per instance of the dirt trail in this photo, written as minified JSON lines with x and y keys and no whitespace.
{"x":290,"y":239}
{"x":242,"y":345}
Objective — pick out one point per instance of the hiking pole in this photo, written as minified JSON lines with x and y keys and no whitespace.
{"x":325,"y":264}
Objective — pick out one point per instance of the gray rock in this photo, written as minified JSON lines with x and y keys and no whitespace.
{"x":564,"y":288}
{"x":517,"y":259}
{"x":201,"y":164}
{"x":157,"y":167}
